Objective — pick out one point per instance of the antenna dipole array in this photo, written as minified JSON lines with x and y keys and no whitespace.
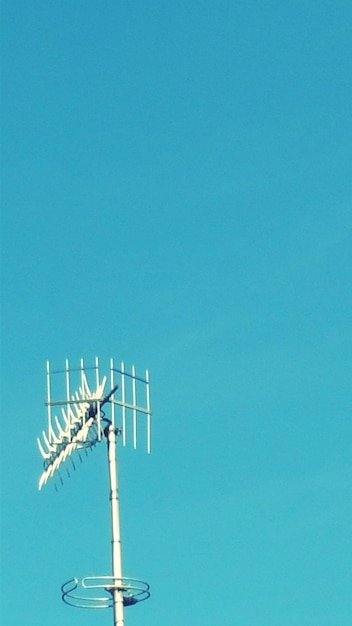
{"x":81,"y":419}
{"x":93,"y":408}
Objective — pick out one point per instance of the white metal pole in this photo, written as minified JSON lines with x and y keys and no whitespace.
{"x":115,"y":526}
{"x":112,"y":385}
{"x":49,"y":397}
{"x":123,"y":398}
{"x":134,"y":402}
{"x":148,"y":410}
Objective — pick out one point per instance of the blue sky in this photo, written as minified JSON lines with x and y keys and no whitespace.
{"x":176,"y":193}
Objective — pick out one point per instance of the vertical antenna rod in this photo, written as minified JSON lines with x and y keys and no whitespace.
{"x":117,"y":595}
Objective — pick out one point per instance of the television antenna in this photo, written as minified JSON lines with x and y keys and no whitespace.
{"x":90,"y":415}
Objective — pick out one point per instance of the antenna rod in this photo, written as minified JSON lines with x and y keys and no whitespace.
{"x":115,"y":525}
{"x":111,"y":393}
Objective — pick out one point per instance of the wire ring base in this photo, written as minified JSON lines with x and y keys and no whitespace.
{"x":132,"y":589}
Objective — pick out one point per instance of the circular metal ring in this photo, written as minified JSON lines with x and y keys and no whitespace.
{"x":132,"y":590}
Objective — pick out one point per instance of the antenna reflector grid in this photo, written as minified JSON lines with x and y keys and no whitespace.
{"x":131,"y":402}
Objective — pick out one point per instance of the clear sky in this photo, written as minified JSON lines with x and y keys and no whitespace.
{"x":176,"y":193}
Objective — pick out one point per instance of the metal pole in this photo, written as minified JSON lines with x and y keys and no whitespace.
{"x":115,"y":525}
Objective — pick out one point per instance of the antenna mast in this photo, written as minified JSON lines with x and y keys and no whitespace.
{"x":84,"y":423}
